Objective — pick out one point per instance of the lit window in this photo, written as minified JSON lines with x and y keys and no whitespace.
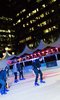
{"x":36,"y":17}
{"x":27,"y":24}
{"x":10,"y":35}
{"x":38,"y":1}
{"x":17,"y":14}
{"x":42,"y":15}
{"x":32,"y":28}
{"x":38,"y":25}
{"x":52,"y":1}
{"x":31,"y":21}
{"x":30,"y":45}
{"x":43,"y":23}
{"x":22,"y":11}
{"x":29,"y":14}
{"x":22,"y":41}
{"x":13,"y":53}
{"x":23,"y":25}
{"x":9,"y":31}
{"x":5,"y":18}
{"x":13,"y":36}
{"x":13,"y":24}
{"x":46,"y":13}
{"x":22,"y":18}
{"x":28,"y":38}
{"x":43,"y":6}
{"x":46,"y":31}
{"x":49,"y":29}
{"x":52,"y":10}
{"x":54,"y":26}
{"x":4,"y":35}
{"x":19,"y":21}
{"x":37,"y":9}
{"x":33,"y":12}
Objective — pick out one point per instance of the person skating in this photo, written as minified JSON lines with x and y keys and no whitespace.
{"x":20,"y":70}
{"x":15,"y":71}
{"x":36,"y":68}
{"x":3,"y":89}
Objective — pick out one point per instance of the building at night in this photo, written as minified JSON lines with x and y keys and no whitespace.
{"x":26,"y":22}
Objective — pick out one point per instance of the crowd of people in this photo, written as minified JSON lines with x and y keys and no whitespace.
{"x":18,"y":67}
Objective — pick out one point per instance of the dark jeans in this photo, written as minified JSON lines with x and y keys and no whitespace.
{"x":21,"y":74}
{"x":3,"y":85}
{"x":15,"y":74}
{"x":37,"y":73}
{"x":7,"y":72}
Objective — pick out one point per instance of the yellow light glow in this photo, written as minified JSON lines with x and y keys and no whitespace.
{"x":13,"y":53}
{"x":46,"y":31}
{"x":28,"y":38}
{"x":22,"y":41}
{"x":30,"y":45}
{"x":6,"y":48}
{"x":43,"y":6}
{"x":31,"y":21}
{"x":42,"y":15}
{"x":27,"y":24}
{"x":52,"y":10}
{"x":37,"y":9}
{"x":38,"y":1}
{"x":17,"y":14}
{"x":23,"y":25}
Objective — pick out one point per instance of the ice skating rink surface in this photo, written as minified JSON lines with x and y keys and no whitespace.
{"x":25,"y":89}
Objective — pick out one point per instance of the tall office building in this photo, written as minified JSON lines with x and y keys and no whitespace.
{"x":27,"y":22}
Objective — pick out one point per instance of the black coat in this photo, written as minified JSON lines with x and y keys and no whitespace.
{"x":19,"y":66}
{"x":36,"y":64}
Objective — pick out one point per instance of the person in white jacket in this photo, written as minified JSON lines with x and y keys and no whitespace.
{"x":15,"y":70}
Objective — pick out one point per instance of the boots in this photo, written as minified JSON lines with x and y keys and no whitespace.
{"x":3,"y":92}
{"x":41,"y":81}
{"x":36,"y":84}
{"x":16,"y":81}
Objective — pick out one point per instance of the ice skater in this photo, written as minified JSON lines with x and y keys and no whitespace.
{"x":3,"y":89}
{"x":20,"y":70}
{"x":36,"y":68}
{"x":15,"y":71}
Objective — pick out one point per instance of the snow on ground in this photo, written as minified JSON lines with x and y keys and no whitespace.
{"x":25,"y":89}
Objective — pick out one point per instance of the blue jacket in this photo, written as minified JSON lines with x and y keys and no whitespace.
{"x":3,"y":75}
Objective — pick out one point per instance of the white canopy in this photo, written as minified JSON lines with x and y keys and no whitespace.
{"x":56,"y":44}
{"x":30,"y":51}
{"x":4,"y":59}
{"x":41,"y":46}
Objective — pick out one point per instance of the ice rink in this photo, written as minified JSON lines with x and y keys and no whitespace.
{"x":25,"y":89}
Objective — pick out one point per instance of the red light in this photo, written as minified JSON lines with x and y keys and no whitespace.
{"x":52,"y":50}
{"x":31,"y":55}
{"x":56,"y":49}
{"x":47,"y":51}
{"x":42,"y":52}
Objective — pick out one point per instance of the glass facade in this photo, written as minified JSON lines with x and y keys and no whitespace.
{"x":27,"y":22}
